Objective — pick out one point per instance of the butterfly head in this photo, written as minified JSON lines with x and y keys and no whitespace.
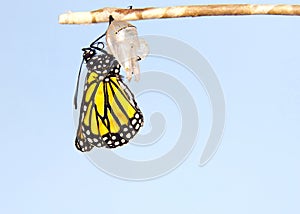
{"x":88,"y":53}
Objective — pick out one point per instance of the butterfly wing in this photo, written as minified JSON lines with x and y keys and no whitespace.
{"x":118,"y":117}
{"x":109,"y":115}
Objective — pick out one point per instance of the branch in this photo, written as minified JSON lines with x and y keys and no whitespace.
{"x":102,"y":15}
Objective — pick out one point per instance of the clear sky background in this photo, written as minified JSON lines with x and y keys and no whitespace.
{"x":256,"y":169}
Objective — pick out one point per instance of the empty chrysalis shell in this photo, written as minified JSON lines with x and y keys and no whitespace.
{"x":125,"y":45}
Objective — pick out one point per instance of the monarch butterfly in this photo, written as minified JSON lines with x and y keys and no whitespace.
{"x":108,"y":115}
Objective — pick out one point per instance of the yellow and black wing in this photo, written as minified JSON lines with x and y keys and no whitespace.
{"x":109,"y":115}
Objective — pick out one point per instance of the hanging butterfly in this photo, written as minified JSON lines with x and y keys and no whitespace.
{"x":108,"y":115}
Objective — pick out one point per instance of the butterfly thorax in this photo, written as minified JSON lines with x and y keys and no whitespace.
{"x":102,"y":64}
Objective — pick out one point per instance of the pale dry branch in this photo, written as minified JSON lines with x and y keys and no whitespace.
{"x":102,"y":15}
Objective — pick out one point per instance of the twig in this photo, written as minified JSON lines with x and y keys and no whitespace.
{"x":102,"y":15}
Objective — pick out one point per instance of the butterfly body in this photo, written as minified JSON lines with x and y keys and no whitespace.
{"x":109,"y":115}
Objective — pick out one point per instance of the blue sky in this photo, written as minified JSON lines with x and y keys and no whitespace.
{"x":256,"y":169}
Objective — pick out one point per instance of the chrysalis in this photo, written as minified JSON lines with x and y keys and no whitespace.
{"x":125,"y":45}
